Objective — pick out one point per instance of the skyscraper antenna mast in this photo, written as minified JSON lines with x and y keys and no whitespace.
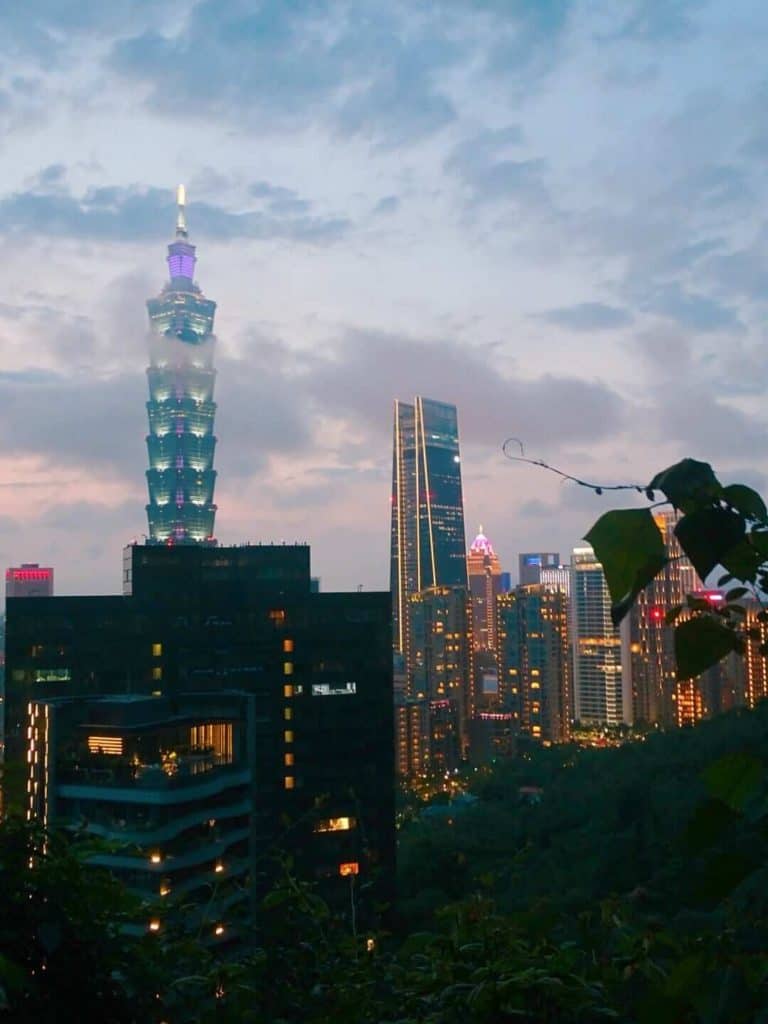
{"x":181,"y":216}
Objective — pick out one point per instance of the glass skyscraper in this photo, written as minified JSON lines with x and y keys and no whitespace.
{"x":181,"y":409}
{"x":428,"y":547}
{"x":601,"y":696}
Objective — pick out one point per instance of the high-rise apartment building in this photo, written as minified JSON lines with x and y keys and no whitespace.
{"x":484,"y":572}
{"x":197,"y":621}
{"x":557,"y":577}
{"x":600,"y":696}
{"x":534,"y":661}
{"x":428,"y":547}
{"x":648,"y":657}
{"x":530,"y":564}
{"x":29,"y":580}
{"x":440,"y":670}
{"x":181,"y":409}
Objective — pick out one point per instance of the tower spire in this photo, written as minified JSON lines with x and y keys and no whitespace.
{"x":181,"y":215}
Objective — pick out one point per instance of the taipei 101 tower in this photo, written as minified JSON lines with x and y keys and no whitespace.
{"x":181,"y":409}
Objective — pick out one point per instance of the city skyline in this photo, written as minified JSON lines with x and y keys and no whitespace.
{"x":489,"y":230}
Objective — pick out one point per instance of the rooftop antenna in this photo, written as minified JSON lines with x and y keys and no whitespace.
{"x":181,"y":215}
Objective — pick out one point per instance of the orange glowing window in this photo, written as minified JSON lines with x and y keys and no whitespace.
{"x":288,"y":760}
{"x":277,"y":615}
{"x":288,"y":646}
{"x":351,"y":867}
{"x":287,"y":690}
{"x":335,"y":824}
{"x":289,"y":782}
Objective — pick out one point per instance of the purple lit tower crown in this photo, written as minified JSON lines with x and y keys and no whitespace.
{"x":181,"y":442}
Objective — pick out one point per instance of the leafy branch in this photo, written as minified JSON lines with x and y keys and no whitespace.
{"x":718,"y":526}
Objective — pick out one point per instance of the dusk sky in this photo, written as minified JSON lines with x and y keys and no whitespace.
{"x":550,"y":213}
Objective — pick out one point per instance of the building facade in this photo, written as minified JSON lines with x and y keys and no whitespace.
{"x":167,"y":784}
{"x":201,"y":620}
{"x":484,"y":573}
{"x":440,"y":672}
{"x":600,"y":695}
{"x":181,"y":409}
{"x":29,"y":580}
{"x":648,"y":656}
{"x":530,"y":564}
{"x":534,"y":661}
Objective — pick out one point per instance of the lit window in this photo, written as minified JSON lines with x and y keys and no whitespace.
{"x":288,"y":736}
{"x":349,"y":868}
{"x":219,"y":867}
{"x":289,"y":782}
{"x":157,"y":693}
{"x":334,"y":824}
{"x":370,"y":945}
{"x":288,"y":760}
{"x":287,"y":668}
{"x":165,"y":887}
{"x":157,"y":673}
{"x":288,"y":646}
{"x":287,"y":690}
{"x":105,"y":744}
{"x":155,"y":857}
{"x":154,"y":925}
{"x":277,"y":615}
{"x":157,"y":650}
{"x":219,"y":929}
{"x":288,"y":714}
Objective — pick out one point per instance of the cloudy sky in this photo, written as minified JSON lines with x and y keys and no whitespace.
{"x":550,"y":212}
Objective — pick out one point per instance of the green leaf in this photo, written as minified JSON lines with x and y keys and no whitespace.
{"x":743,"y":561}
{"x":688,"y":484}
{"x":734,"y":778}
{"x":707,"y":535}
{"x":747,"y":501}
{"x":630,"y":547}
{"x":700,"y":643}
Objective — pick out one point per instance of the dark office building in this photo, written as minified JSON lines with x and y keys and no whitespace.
{"x":198,"y":620}
{"x":530,"y":564}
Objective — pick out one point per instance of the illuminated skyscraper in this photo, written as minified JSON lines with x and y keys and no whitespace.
{"x":648,"y":641}
{"x":534,"y":660}
{"x":181,"y":409}
{"x":600,"y":696}
{"x":428,"y":547}
{"x":484,"y":571}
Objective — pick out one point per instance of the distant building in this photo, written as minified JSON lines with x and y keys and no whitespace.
{"x":600,"y":695}
{"x":484,"y":572}
{"x":534,"y":661}
{"x":648,"y":656}
{"x":29,"y":580}
{"x":532,"y":562}
{"x":440,"y":670}
{"x":199,"y":620}
{"x":428,"y":547}
{"x":557,"y":577}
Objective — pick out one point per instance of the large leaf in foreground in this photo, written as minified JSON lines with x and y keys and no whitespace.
{"x":700,"y":643}
{"x":707,"y":535}
{"x":630,"y":547}
{"x":688,"y":484}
